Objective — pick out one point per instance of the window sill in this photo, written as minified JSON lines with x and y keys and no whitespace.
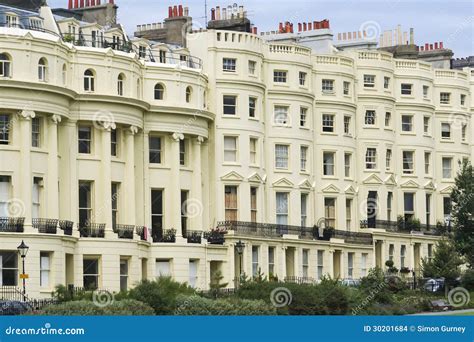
{"x":407,"y":97}
{"x":305,"y":173}
{"x":305,"y":128}
{"x":409,"y":175}
{"x":230,"y":116}
{"x":450,"y":141}
{"x":39,"y":150}
{"x":254,"y":119}
{"x":408,"y":133}
{"x":370,"y":127}
{"x":372,"y":170}
{"x":329,"y":133}
{"x":282,"y":171}
{"x":186,"y":169}
{"x":328,"y":93}
{"x":158,"y":167}
{"x":281,"y":126}
{"x":348,"y":135}
{"x":427,"y":135}
{"x":329,"y":177}
{"x":281,"y":84}
{"x":388,"y":129}
{"x":231,"y":164}
{"x":89,"y":157}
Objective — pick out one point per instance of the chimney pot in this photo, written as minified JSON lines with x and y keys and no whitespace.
{"x":175,"y":11}
{"x":300,"y":27}
{"x":213,"y":14}
{"x":339,"y":36}
{"x":318,"y":25}
{"x":280,"y":28}
{"x":441,"y":45}
{"x":310,"y":26}
{"x":427,"y":46}
{"x":186,"y":11}
{"x":98,"y":3}
{"x":305,"y":27}
{"x":170,"y":12}
{"x":76,"y":3}
{"x":436,"y":46}
{"x":431,"y":46}
{"x":93,"y":3}
{"x":291,"y":28}
{"x":82,"y":4}
{"x":69,"y":5}
{"x":180,"y":10}
{"x":218,"y":13}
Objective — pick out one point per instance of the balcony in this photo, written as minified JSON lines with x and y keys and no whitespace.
{"x":96,"y":42}
{"x":45,"y":226}
{"x":28,"y":27}
{"x":193,"y":236}
{"x":92,"y":230}
{"x":12,"y":224}
{"x":124,"y":231}
{"x":276,"y":231}
{"x":215,"y":237}
{"x":164,"y":235}
{"x":406,"y":226}
{"x":66,"y":227}
{"x":143,"y":233}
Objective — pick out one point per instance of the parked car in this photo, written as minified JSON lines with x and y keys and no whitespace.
{"x":350,"y":282}
{"x":434,"y":284}
{"x":13,"y":308}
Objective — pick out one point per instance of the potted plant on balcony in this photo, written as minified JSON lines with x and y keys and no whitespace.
{"x":328,"y":233}
{"x":169,"y":235}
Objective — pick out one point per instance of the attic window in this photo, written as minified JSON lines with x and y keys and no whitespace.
{"x":36,"y":23}
{"x":12,"y":20}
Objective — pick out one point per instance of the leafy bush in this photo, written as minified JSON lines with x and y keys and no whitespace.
{"x":327,"y":298}
{"x":467,"y":280}
{"x":376,"y":288}
{"x":160,"y":294}
{"x":199,"y":306}
{"x":88,"y":308}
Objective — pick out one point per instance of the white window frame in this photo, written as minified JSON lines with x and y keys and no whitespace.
{"x":282,"y":156}
{"x":231,"y":150}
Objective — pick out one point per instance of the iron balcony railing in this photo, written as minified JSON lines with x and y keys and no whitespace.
{"x":45,"y":226}
{"x":92,"y":230}
{"x":29,"y":27}
{"x":403,"y":226}
{"x":66,"y":227}
{"x":193,"y":236}
{"x":214,"y":237}
{"x":269,"y":230}
{"x":12,"y":224}
{"x":163,"y":235}
{"x":143,"y":233}
{"x":300,"y":280}
{"x":124,"y":231}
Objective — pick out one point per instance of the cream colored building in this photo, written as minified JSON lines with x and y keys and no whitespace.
{"x":129,"y":140}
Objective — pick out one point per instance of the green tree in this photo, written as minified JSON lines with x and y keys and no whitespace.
{"x":463,"y":212}
{"x":445,"y":263}
{"x":216,"y":284}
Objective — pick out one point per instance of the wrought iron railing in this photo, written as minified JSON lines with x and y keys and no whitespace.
{"x":164,"y":235}
{"x":143,"y":233}
{"x":66,"y":227}
{"x":92,"y":230}
{"x":215,"y":237}
{"x":300,"y":280}
{"x":29,"y":27}
{"x":193,"y":236}
{"x":12,"y":224}
{"x":124,"y":231}
{"x":402,"y":226}
{"x":269,"y":230}
{"x":45,"y":226}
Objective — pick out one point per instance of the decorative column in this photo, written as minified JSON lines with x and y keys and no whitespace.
{"x":52,"y":177}
{"x":26,"y":181}
{"x":104,"y":192}
{"x":196,"y":190}
{"x":130,"y":213}
{"x":175,"y":186}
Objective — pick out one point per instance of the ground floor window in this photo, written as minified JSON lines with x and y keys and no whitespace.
{"x":124,"y":265}
{"x":9,"y":268}
{"x":91,"y":273}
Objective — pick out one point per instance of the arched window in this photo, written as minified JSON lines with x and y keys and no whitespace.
{"x":42,"y":70}
{"x":5,"y":65}
{"x":89,"y":80}
{"x":120,"y":82}
{"x":64,"y":73}
{"x":159,"y":91}
{"x":189,"y":92}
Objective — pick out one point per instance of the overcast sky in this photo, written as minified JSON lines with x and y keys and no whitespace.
{"x":450,"y":21}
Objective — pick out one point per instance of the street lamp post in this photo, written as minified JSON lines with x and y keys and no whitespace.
{"x":240,"y":250}
{"x":23,"y":250}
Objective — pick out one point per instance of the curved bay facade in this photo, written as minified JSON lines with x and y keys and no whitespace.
{"x":116,"y":168}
